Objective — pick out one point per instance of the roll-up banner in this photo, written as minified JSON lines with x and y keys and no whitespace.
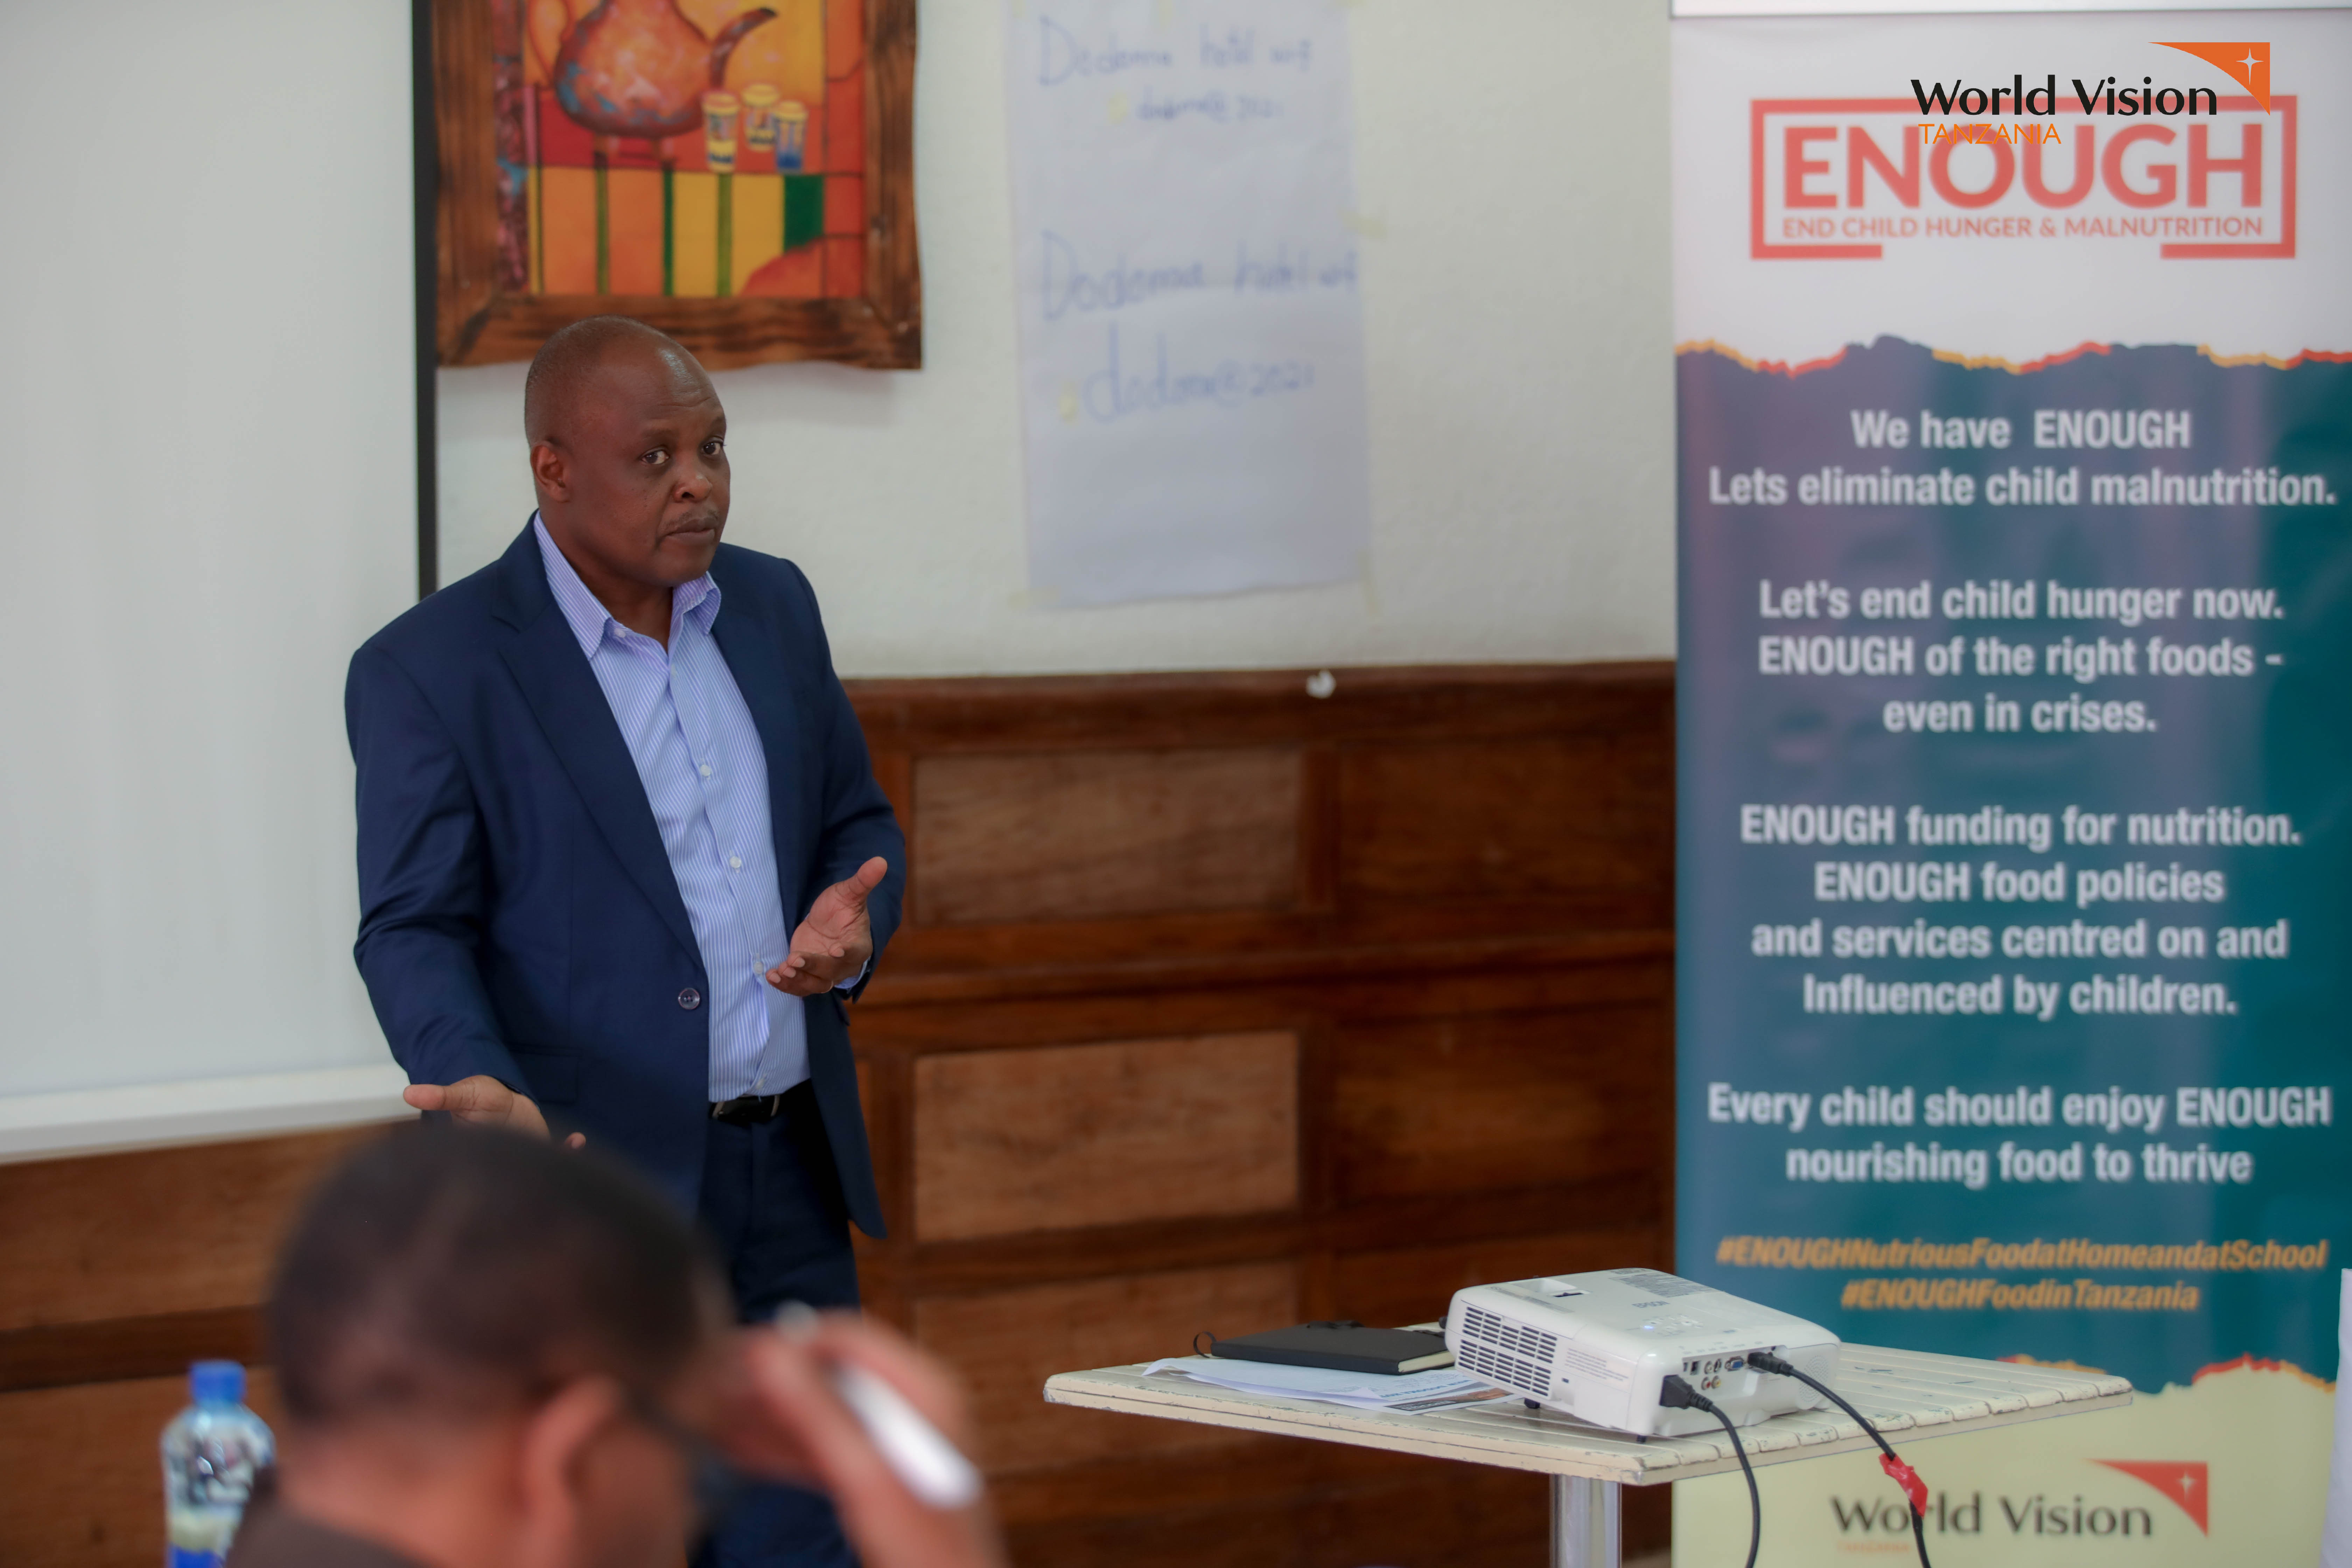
{"x":2014,"y":364}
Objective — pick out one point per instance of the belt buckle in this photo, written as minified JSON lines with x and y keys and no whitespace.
{"x":746,"y":1110}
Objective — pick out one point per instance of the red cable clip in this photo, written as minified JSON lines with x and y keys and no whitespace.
{"x":1904,"y":1476}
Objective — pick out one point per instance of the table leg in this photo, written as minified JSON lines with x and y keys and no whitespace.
{"x":1584,"y":1522}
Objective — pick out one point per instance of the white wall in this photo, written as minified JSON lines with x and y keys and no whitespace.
{"x":1511,"y":168}
{"x":205,"y":379}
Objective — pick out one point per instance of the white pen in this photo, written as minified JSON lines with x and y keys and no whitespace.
{"x":931,"y":1466}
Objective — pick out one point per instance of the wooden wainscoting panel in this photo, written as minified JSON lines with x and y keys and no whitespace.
{"x":1086,"y":835}
{"x":1432,"y":1513}
{"x":1491,"y":1102}
{"x":161,"y":1231}
{"x":85,"y":1486}
{"x":1008,"y":1342}
{"x":1544,"y":818}
{"x":1007,"y":1141}
{"x":1446,"y":703}
{"x":52,"y":1355}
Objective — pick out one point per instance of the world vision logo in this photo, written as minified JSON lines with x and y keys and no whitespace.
{"x":2251,"y":69}
{"x":2201,"y":173}
{"x":2183,"y":1480}
{"x":2093,"y":1516}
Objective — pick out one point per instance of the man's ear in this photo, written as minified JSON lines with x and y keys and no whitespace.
{"x":551,"y":1463}
{"x":551,"y":470}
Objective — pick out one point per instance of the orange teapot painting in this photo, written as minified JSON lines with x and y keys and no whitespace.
{"x":683,"y":148}
{"x":639,"y":68}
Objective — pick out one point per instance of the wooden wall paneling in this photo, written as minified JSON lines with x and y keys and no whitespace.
{"x":1319,"y":1167}
{"x":1548,"y":816}
{"x":168,"y":1231}
{"x":1484,"y":1103}
{"x":1065,"y":1136}
{"x":1232,"y":995}
{"x":1006,"y":1344}
{"x":1076,"y":836}
{"x":1474,"y":952}
{"x":53,"y":1355}
{"x":998,"y":1263}
{"x":85,"y":1479}
{"x":1118,"y":1488}
{"x":1437,"y":1513}
{"x":1318,"y":828}
{"x":884,"y":1092}
{"x":895,"y":772}
{"x":1385,"y":706}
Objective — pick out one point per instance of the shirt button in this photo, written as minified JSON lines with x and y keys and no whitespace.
{"x":735,"y":862}
{"x":706,"y":770}
{"x":689,"y":999}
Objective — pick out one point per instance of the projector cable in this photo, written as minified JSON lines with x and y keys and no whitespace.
{"x":1676,"y":1395}
{"x":1904,"y":1476}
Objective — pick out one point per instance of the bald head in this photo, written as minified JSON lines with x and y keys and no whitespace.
{"x":564,"y":373}
{"x":628,"y":452}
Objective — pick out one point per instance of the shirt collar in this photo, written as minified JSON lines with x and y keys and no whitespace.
{"x":697,"y":601}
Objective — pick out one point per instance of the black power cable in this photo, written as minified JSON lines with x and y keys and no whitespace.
{"x":1676,"y":1395}
{"x":1914,"y":1491}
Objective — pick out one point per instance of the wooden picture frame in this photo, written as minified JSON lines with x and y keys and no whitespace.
{"x":871,"y":311}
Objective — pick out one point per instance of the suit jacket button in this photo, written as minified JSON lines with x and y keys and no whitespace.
{"x":689,"y":999}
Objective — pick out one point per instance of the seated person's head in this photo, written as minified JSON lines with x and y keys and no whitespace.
{"x":513,"y":1339}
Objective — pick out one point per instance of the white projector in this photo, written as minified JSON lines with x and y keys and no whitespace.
{"x":1597,"y":1346}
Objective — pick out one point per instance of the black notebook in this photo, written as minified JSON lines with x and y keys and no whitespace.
{"x":1342,"y":1347}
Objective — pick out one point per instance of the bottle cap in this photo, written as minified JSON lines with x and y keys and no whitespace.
{"x":217,"y":1381}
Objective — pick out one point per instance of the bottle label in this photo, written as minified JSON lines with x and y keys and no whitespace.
{"x":190,"y":1557}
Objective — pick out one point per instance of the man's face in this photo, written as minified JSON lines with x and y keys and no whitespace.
{"x":635,"y":478}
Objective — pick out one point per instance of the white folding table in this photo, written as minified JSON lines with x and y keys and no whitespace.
{"x":1908,"y":1395}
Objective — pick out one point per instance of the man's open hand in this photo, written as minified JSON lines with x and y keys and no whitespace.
{"x":833,"y":945}
{"x":484,"y":1101}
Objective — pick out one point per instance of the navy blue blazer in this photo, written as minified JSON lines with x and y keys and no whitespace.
{"x":517,"y":913}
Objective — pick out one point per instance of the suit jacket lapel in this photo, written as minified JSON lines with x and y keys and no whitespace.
{"x":578,"y":724}
{"x":754,"y":653}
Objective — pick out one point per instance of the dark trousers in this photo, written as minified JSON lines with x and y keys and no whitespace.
{"x":770,"y":1197}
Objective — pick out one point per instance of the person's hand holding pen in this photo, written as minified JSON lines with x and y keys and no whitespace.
{"x":786,"y":1419}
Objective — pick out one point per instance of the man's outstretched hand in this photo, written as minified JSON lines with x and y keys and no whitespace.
{"x":483,"y":1102}
{"x":833,"y":945}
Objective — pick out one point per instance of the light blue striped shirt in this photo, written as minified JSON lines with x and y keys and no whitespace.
{"x":706,"y":775}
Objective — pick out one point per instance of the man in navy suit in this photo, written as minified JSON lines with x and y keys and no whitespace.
{"x":622,"y":856}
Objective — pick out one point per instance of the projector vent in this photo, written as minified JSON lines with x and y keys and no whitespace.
{"x":1510,"y":1336}
{"x":1509,"y":1371}
{"x":1511,"y":1353}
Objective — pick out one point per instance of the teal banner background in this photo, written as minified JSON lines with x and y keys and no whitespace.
{"x":1788,"y":480}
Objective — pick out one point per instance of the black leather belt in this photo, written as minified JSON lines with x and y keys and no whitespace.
{"x":751,"y":1110}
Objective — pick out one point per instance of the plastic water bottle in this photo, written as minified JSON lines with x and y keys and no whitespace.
{"x":211,"y":1451}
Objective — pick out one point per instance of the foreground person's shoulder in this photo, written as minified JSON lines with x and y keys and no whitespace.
{"x":276,"y":1538}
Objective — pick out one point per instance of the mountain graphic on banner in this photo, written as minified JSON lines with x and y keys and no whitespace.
{"x":2248,"y":65}
{"x":2182,"y":1481}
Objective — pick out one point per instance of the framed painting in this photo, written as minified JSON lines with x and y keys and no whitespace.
{"x":737,"y":173}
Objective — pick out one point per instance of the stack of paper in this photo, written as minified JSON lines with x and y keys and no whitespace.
{"x":1363,"y":1391}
